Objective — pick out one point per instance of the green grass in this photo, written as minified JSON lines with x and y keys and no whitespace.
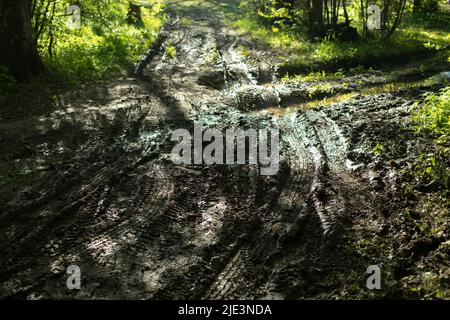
{"x":314,"y":76}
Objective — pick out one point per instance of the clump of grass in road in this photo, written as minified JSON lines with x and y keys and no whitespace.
{"x":314,"y":76}
{"x":171,"y":51}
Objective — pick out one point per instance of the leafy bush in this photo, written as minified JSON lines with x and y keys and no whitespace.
{"x":277,"y":14}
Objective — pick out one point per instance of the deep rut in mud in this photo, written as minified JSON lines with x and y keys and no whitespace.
{"x":140,"y":227}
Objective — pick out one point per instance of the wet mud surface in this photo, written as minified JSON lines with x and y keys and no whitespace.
{"x":102,"y":193}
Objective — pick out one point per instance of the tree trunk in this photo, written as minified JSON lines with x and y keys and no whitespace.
{"x":316,"y":26}
{"x":134,"y":16}
{"x":18,"y":52}
{"x":347,"y":20}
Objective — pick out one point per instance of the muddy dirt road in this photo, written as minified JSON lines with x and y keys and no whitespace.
{"x":104,"y":194}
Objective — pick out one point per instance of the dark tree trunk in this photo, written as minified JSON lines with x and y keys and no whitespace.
{"x":134,"y":15}
{"x":316,"y":25}
{"x":347,"y":20}
{"x":18,"y":52}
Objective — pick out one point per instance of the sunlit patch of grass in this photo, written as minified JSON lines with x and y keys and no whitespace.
{"x":186,"y":22}
{"x":314,"y":76}
{"x":397,"y":86}
{"x":278,"y":39}
{"x":245,"y":52}
{"x":279,"y":112}
{"x":435,"y":39}
{"x":321,"y":88}
{"x":335,"y":56}
{"x":328,"y":88}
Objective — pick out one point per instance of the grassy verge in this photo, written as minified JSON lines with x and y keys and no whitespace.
{"x":419,"y":36}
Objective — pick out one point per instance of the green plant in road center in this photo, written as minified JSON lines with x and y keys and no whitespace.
{"x":171,"y":51}
{"x":378,"y":149}
{"x":213,"y":56}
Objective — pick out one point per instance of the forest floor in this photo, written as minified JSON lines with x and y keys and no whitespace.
{"x":87,"y":180}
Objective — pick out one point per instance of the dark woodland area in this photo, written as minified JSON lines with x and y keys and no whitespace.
{"x":217,"y":150}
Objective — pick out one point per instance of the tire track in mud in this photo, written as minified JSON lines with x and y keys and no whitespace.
{"x":301,"y":199}
{"x":78,"y":228}
{"x":141,"y":227}
{"x":145,"y":221}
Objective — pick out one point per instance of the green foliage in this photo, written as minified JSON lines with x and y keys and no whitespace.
{"x":433,"y":118}
{"x":432,"y":29}
{"x":278,"y":15}
{"x":334,"y":56}
{"x":171,"y":51}
{"x":392,"y":13}
{"x":414,"y":38}
{"x":333,"y":17}
{"x":429,"y":19}
{"x":104,"y":44}
{"x":315,"y":76}
{"x":378,"y":149}
{"x":426,"y":6}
